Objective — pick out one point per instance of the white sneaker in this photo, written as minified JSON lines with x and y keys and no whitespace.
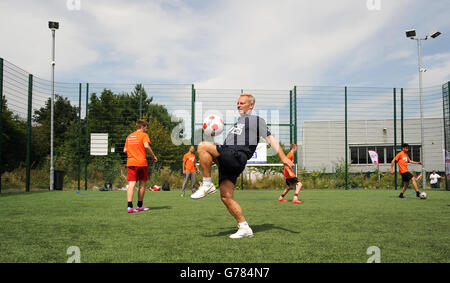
{"x":242,"y":233}
{"x":204,"y":190}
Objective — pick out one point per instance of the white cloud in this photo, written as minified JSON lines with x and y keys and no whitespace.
{"x":27,"y":39}
{"x":438,"y":70}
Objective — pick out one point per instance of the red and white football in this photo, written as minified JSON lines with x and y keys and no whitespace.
{"x":213,"y":125}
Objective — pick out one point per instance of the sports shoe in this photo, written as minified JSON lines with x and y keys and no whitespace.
{"x":296,"y":201}
{"x":242,"y":233}
{"x":282,"y":200}
{"x":401,"y":196}
{"x":204,"y":190}
{"x":142,"y":208}
{"x":132,"y":210}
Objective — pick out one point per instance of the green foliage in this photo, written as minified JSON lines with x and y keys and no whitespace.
{"x":65,"y":115}
{"x":109,"y":166}
{"x":14,"y":138}
{"x":112,"y":113}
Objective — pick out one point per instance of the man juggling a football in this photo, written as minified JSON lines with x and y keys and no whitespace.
{"x":231,"y":157}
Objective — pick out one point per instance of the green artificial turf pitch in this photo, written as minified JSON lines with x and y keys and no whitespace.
{"x":330,"y":226}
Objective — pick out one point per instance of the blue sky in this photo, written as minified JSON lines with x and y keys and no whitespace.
{"x":229,"y":44}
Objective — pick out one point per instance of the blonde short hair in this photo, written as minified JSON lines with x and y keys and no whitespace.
{"x":251,"y":98}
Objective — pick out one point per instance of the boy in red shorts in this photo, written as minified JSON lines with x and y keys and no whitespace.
{"x":136,"y":145}
{"x":402,"y":159}
{"x":291,"y":179}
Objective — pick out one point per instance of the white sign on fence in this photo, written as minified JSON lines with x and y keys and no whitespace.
{"x":99,"y":144}
{"x":260,"y":155}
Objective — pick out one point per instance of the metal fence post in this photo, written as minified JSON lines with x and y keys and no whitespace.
{"x":140,"y":101}
{"x":1,"y":121}
{"x":402,"y":115}
{"x":446,"y":110}
{"x":30,"y":100}
{"x":346,"y":139}
{"x":295,"y":130}
{"x":290,"y":118}
{"x":193,"y":115}
{"x":395,"y":136}
{"x":79,"y":136}
{"x":87,"y":138}
{"x":402,"y":120}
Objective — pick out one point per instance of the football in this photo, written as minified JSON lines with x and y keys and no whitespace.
{"x":423,"y":195}
{"x":213,"y":125}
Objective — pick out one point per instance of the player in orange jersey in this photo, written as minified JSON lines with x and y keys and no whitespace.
{"x":189,"y":170}
{"x":402,"y":159}
{"x":291,"y":179}
{"x":136,"y":146}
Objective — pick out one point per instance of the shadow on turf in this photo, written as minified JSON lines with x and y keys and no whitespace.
{"x":159,"y":207}
{"x":255,"y":228}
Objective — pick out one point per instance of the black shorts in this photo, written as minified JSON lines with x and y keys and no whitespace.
{"x":231,"y":163}
{"x":407,"y":176}
{"x":291,"y":181}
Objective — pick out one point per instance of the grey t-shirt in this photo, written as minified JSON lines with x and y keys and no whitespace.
{"x":245,"y":134}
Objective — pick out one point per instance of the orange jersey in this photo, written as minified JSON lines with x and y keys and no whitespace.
{"x":402,"y":160}
{"x":135,"y":149}
{"x":288,"y":173}
{"x":189,"y":162}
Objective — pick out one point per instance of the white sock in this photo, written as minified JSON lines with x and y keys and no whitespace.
{"x":207,"y":181}
{"x":243,"y":225}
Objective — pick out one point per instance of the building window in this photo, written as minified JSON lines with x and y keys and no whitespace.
{"x":414,"y":152}
{"x":354,"y":155}
{"x":389,"y":154}
{"x":380,"y":150}
{"x":360,"y":154}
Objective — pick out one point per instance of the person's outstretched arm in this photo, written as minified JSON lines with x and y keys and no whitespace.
{"x":276,"y":146}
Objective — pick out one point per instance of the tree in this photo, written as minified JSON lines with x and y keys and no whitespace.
{"x":14,"y":136}
{"x":116,"y":114}
{"x":64,"y":115}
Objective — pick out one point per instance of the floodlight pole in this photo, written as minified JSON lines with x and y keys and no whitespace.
{"x":422,"y":139}
{"x":52,"y":100}
{"x":421,"y":70}
{"x":412,"y":35}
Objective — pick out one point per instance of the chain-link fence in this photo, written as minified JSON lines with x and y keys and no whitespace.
{"x":336,"y":129}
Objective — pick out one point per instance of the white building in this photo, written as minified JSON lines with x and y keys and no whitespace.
{"x":323,"y":144}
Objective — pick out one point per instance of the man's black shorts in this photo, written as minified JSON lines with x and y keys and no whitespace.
{"x":407,"y":176}
{"x":231,"y":163}
{"x":291,"y":181}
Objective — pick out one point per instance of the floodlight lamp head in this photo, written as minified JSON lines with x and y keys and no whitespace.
{"x":435,"y":34}
{"x":411,"y":33}
{"x":53,"y":25}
